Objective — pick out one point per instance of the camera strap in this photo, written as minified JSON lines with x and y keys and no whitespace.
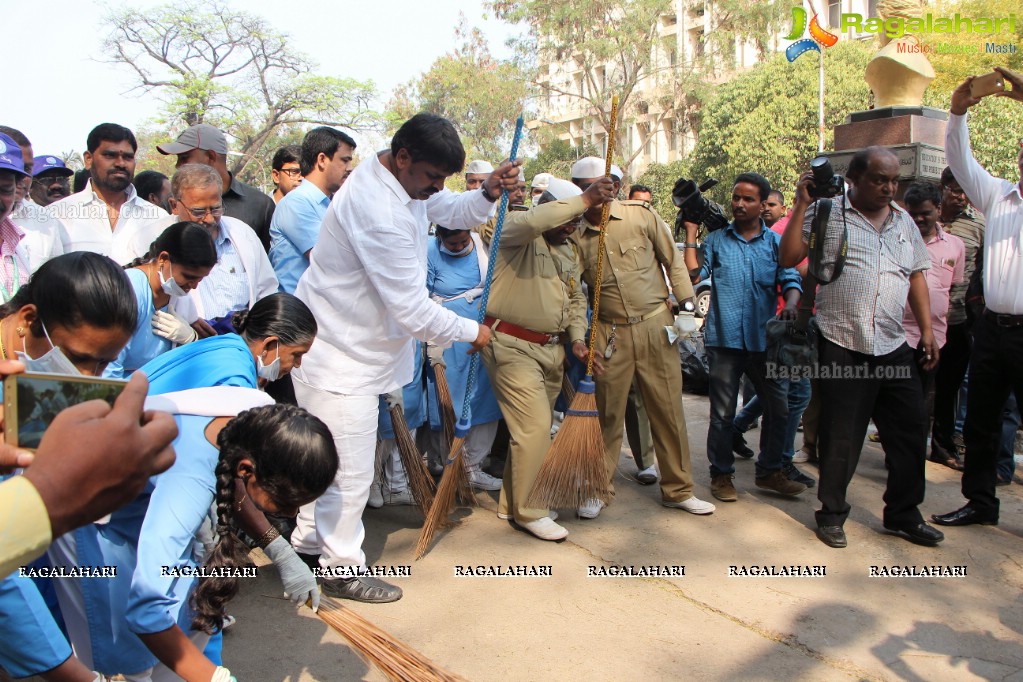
{"x":815,"y":258}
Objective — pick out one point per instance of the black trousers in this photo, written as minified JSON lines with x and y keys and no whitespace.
{"x":886,"y":388}
{"x":955,"y":358}
{"x":996,"y":367}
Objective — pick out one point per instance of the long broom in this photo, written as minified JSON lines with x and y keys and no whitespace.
{"x":574,"y":470}
{"x":455,"y":479}
{"x":420,"y":482}
{"x":444,"y":404}
{"x":396,"y":660}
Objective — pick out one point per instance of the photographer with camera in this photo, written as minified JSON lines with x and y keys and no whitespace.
{"x":742,"y":258}
{"x":876,"y":258}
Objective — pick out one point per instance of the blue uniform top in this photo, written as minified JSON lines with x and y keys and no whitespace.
{"x":294,"y":230}
{"x":144,"y":345}
{"x":215,"y":361}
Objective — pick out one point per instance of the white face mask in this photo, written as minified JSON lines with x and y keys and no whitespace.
{"x":52,"y":362}
{"x":271,"y":372}
{"x":170,"y":286}
{"x":446,"y":250}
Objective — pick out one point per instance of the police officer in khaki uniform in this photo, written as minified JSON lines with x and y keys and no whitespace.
{"x":536,"y":306}
{"x":631,"y":335}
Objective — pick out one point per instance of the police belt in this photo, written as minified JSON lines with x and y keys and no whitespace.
{"x":634,"y":320}
{"x":518,"y":332}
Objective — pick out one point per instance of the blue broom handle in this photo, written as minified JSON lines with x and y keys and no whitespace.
{"x":495,"y":243}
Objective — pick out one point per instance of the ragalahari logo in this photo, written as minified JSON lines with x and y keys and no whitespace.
{"x":818,"y":36}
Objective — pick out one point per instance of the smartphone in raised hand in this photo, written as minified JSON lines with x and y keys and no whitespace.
{"x":988,"y":84}
{"x":31,"y":401}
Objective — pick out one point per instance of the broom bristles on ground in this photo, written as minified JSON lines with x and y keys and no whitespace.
{"x":454,"y":484}
{"x":573,"y":470}
{"x":420,"y":482}
{"x":446,"y":407}
{"x":396,"y":660}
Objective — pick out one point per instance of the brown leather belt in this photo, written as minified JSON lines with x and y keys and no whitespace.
{"x":518,"y":332}
{"x":1004,"y":320}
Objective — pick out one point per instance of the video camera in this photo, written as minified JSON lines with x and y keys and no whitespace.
{"x":826,"y":183}
{"x":693,"y":207}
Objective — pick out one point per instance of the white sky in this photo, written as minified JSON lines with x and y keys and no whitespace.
{"x":64,"y":91}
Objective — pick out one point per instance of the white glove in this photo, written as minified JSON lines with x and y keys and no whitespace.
{"x":435,"y":355}
{"x":173,"y":328}
{"x":685,"y":325}
{"x":395,"y":398}
{"x":222,"y":674}
{"x":298,"y":579}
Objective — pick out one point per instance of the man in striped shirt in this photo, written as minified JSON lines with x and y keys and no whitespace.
{"x":996,"y":363}
{"x":871,"y":372}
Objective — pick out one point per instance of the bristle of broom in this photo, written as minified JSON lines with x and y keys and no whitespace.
{"x":419,"y":479}
{"x":567,"y":389}
{"x":446,"y":407}
{"x":444,"y":500}
{"x":574,"y":470}
{"x":396,"y":660}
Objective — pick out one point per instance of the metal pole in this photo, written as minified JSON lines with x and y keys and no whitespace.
{"x":820,"y":104}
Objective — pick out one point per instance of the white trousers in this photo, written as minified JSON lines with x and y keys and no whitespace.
{"x":332,"y":525}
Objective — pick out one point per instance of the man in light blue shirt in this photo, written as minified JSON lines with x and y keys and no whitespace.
{"x":326,"y":162}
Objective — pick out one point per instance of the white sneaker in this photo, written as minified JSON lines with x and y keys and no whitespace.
{"x":546,"y":529}
{"x":590,"y":509}
{"x":402,"y":497}
{"x":692,"y":505}
{"x":481,"y":480}
{"x":376,"y":497}
{"x":552,"y":515}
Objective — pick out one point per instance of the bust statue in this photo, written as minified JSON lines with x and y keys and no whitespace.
{"x":900,"y":72}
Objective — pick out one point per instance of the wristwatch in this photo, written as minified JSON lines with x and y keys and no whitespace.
{"x":483,"y":188}
{"x":692,"y":245}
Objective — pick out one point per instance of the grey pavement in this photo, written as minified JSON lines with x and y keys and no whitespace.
{"x":704,"y":625}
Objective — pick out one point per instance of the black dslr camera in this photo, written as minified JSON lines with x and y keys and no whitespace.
{"x":693,"y":207}
{"x":826,"y":183}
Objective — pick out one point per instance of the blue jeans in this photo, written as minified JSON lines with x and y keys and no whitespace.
{"x":798,"y":398}
{"x":961,"y":407}
{"x":727,"y":365}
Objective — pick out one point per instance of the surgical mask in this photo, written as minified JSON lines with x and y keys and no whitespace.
{"x":170,"y":286}
{"x":449,"y":252}
{"x":52,"y":362}
{"x":271,"y":372}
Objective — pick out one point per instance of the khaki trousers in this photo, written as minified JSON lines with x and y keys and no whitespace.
{"x":642,"y":353}
{"x":526,"y":379}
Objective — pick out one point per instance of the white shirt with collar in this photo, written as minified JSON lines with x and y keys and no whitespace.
{"x":85,"y":225}
{"x":1002,"y":205}
{"x":366,"y":282}
{"x":258,"y":271}
{"x":42,"y":233}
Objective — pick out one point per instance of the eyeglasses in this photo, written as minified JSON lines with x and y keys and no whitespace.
{"x":48,"y":180}
{"x":200,"y":213}
{"x":292,"y":172}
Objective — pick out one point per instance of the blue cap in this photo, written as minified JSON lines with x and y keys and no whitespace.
{"x":10,"y":156}
{"x":49,"y":163}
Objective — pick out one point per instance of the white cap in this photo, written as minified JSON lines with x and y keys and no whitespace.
{"x":588,"y":167}
{"x":562,"y":189}
{"x":480,"y":167}
{"x":616,"y":172}
{"x":540,"y":180}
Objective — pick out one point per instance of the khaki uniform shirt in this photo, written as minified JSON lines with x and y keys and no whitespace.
{"x":537,"y":285}
{"x":637,"y":246}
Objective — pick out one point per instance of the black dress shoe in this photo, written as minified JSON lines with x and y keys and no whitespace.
{"x":966,"y":516}
{"x":739,"y":446}
{"x":832,"y":536}
{"x":918,"y":533}
{"x":940,"y":455}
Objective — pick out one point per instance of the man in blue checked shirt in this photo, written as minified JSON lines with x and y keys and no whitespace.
{"x":743,"y":261}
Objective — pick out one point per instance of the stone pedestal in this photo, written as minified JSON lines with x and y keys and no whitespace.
{"x":915,"y":134}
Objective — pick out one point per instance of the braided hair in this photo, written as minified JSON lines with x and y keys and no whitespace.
{"x":295,"y":460}
{"x":187,"y":243}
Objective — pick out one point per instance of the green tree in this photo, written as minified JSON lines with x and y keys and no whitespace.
{"x":618,"y":44}
{"x":765,"y":120}
{"x":661,"y":178}
{"x":209,"y":63}
{"x":482,"y":96}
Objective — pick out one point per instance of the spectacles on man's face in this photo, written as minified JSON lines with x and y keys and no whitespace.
{"x":46,"y":181}
{"x":200,"y":213}
{"x":291,"y":172}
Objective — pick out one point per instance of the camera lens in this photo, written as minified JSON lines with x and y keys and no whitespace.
{"x":822,"y":171}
